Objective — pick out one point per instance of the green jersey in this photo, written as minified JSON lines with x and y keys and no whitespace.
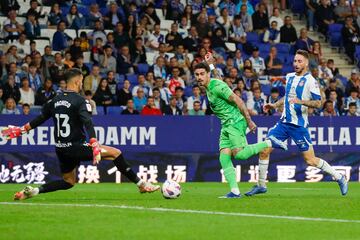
{"x":218,"y":93}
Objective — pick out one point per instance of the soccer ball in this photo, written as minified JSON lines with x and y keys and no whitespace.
{"x":171,"y":189}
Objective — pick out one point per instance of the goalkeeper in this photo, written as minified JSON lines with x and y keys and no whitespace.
{"x":235,"y":119}
{"x":71,"y":114}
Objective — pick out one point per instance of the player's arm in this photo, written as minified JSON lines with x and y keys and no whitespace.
{"x":243,"y":109}
{"x":85,"y":111}
{"x":209,"y":59}
{"x":14,"y":131}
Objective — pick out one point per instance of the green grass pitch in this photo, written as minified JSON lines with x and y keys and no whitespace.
{"x":108,"y":211}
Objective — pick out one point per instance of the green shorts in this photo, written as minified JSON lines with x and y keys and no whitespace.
{"x":233,"y":136}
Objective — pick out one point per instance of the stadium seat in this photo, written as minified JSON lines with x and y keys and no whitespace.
{"x":89,"y":65}
{"x":289,"y":58}
{"x":113,"y":110}
{"x":87,"y":56}
{"x":119,"y":78}
{"x":335,"y":27}
{"x":335,"y":39}
{"x":252,"y":37}
{"x":266,"y":89}
{"x":35,"y":110}
{"x":21,"y":20}
{"x":188,"y":91}
{"x":287,"y":69}
{"x":150,"y":57}
{"x":71,"y":33}
{"x":100,"y":110}
{"x":88,"y":2}
{"x":104,"y":10}
{"x":160,"y":14}
{"x":132,"y":78}
{"x":143,"y":68}
{"x":283,"y":48}
{"x":84,"y":10}
{"x":264,"y":47}
{"x":297,"y":6}
{"x":41,"y":44}
{"x":166,"y":24}
{"x":49,"y":33}
{"x":231,"y":46}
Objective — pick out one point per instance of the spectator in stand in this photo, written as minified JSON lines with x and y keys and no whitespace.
{"x":230,"y":6}
{"x":60,"y":39}
{"x":32,"y":27}
{"x":196,"y":109}
{"x":112,"y":17}
{"x":45,"y":93}
{"x":84,"y":42}
{"x":55,"y":16}
{"x":354,"y":82}
{"x":95,"y":15}
{"x":276,"y":17}
{"x":23,"y":48}
{"x":237,"y":33}
{"x":12,"y":28}
{"x":342,"y":10}
{"x":57,"y":70}
{"x":196,"y":97}
{"x":27,"y":95}
{"x":192,"y":41}
{"x":12,"y":71}
{"x":260,"y":19}
{"x":352,"y":112}
{"x":333,"y":97}
{"x":150,"y":108}
{"x":304,"y":42}
{"x":311,"y":5}
{"x":218,"y":41}
{"x":325,"y":16}
{"x":11,"y":55}
{"x":97,"y":33}
{"x":103,"y":95}
{"x":155,"y":38}
{"x":350,"y":35}
{"x":353,"y":98}
{"x":324,"y":72}
{"x":130,"y":110}
{"x":202,"y":26}
{"x":249,"y":6}
{"x":333,"y":86}
{"x":79,"y":64}
{"x":141,"y":84}
{"x":246,"y":19}
{"x":75,"y":50}
{"x":175,"y":10}
{"x":138,"y":53}
{"x":107,"y":60}
{"x":163,"y":53}
{"x":328,"y":109}
{"x":112,"y":82}
{"x":173,"y":38}
{"x":121,"y":37}
{"x":48,"y":58}
{"x":288,"y":32}
{"x":172,"y":108}
{"x":272,"y":35}
{"x":139,"y":99}
{"x":150,"y":13}
{"x":10,"y":90}
{"x":164,"y":91}
{"x":180,"y":99}
{"x":238,"y":61}
{"x":61,"y":87}
{"x":9,"y":5}
{"x":273,"y":98}
{"x":36,"y":10}
{"x":316,"y":54}
{"x":10,"y":107}
{"x":214,"y":25}
{"x":35,"y":78}
{"x":1,"y":100}
{"x":92,"y":81}
{"x":25,"y":109}
{"x":273,"y":64}
{"x":123,"y":61}
{"x":97,"y":50}
{"x":225,"y":20}
{"x":67,"y":61}
{"x":88,"y":96}
{"x":248,"y":76}
{"x":149,"y":79}
{"x":175,"y":80}
{"x":255,"y":105}
{"x":159,"y":102}
{"x":124,"y":94}
{"x":258,"y":62}
{"x":334,"y":70}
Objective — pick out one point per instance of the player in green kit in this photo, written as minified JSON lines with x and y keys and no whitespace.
{"x":235,"y":119}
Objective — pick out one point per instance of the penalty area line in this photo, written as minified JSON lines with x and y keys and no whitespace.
{"x":174,"y":210}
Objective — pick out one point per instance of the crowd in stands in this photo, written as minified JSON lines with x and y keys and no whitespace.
{"x":137,"y":56}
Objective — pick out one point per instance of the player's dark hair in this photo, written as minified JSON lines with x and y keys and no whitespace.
{"x":202,"y":66}
{"x":303,"y":53}
{"x":352,"y":104}
{"x":71,"y":73}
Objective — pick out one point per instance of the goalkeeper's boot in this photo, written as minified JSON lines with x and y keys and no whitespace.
{"x":146,"y":187}
{"x":343,"y":184}
{"x":256,"y":190}
{"x":231,"y":195}
{"x":27,"y":192}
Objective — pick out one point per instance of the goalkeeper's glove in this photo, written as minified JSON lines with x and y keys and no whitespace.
{"x":11,"y":131}
{"x":96,"y":150}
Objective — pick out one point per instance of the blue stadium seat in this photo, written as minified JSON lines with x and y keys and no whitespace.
{"x":357,"y":52}
{"x":343,"y":79}
{"x":266,"y":89}
{"x":100,"y":110}
{"x":335,"y":27}
{"x":132,"y":78}
{"x":188,"y":91}
{"x":89,"y":65}
{"x":287,"y":69}
{"x":335,"y":39}
{"x":252,"y":37}
{"x":113,"y":110}
{"x":143,"y":68}
{"x":254,"y":2}
{"x":104,"y":11}
{"x":64,"y":10}
{"x":282,"y":58}
{"x":35,"y":110}
{"x":119,"y":78}
{"x":264,"y":47}
{"x":289,"y":58}
{"x":88,"y":2}
{"x":297,"y":6}
{"x":283,"y":48}
{"x":84,"y":11}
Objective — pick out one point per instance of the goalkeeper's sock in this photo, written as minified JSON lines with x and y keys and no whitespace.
{"x":251,"y":150}
{"x":229,"y":172}
{"x":263,"y":167}
{"x":125,"y":168}
{"x":325,"y":166}
{"x":55,"y":186}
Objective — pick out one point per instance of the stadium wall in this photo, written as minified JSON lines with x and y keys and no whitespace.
{"x":181,"y":148}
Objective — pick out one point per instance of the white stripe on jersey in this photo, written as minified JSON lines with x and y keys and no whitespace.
{"x":304,"y":88}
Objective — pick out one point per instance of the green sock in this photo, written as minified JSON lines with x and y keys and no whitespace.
{"x":229,"y":171}
{"x":251,"y":150}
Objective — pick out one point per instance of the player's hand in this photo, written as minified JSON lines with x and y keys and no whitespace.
{"x":252,"y":126}
{"x":295,"y":100}
{"x":11,"y":131}
{"x":209,"y":58}
{"x":96,"y":150}
{"x":268,"y":106}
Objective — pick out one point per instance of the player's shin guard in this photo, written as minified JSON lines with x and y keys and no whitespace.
{"x":325,"y":166}
{"x":55,"y":186}
{"x":229,"y":171}
{"x":250,"y":150}
{"x":125,"y":169}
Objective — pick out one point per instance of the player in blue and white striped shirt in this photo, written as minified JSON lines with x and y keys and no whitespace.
{"x":302,"y":91}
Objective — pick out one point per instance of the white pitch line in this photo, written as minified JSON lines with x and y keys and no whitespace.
{"x":237,"y":214}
